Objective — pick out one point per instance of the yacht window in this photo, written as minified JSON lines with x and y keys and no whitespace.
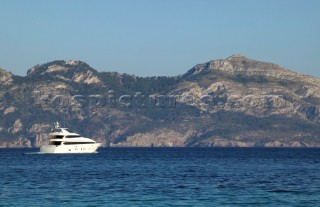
{"x":57,"y":137}
{"x":56,"y":130}
{"x":55,"y":143}
{"x":72,"y":136}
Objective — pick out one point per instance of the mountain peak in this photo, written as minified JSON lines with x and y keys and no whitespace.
{"x":239,"y":64}
{"x":219,"y":64}
{"x":237,"y":56}
{"x":56,"y":66}
{"x":71,"y":70}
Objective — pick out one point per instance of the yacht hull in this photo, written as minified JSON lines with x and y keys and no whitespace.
{"x":78,"y":148}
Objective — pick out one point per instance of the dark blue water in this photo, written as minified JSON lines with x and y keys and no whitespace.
{"x":162,"y":177}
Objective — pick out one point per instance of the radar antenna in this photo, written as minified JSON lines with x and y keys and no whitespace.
{"x":56,"y":125}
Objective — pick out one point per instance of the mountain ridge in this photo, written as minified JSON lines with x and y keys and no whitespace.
{"x":235,"y":101}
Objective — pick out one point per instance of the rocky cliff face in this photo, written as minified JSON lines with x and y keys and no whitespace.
{"x":236,"y":102}
{"x":5,"y":77}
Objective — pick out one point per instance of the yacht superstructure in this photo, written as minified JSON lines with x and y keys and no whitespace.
{"x":62,"y":141}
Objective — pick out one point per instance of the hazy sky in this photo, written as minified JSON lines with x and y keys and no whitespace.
{"x":159,"y":37}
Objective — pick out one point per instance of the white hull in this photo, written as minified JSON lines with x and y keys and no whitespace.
{"x":78,"y":148}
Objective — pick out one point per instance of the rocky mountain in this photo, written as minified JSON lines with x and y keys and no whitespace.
{"x":235,"y":101}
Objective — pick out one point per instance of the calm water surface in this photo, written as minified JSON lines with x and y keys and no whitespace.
{"x":161,"y":177}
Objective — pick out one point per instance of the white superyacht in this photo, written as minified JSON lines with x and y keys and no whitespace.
{"x":62,"y":141}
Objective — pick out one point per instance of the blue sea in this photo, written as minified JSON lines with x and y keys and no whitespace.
{"x":162,"y":177}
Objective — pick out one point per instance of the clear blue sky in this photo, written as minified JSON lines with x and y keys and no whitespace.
{"x":159,"y":37}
